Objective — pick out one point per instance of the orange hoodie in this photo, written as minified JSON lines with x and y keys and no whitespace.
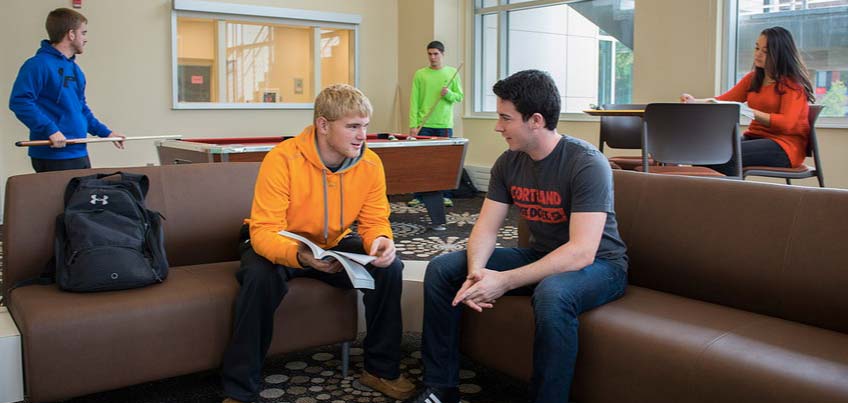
{"x":297,"y":193}
{"x":789,"y":126}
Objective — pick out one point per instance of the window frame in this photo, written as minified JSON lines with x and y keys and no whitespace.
{"x":474,"y":108}
{"x":729,"y":45}
{"x":219,"y":12}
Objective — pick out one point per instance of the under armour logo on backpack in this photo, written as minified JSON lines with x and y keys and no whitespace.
{"x":104,"y":200}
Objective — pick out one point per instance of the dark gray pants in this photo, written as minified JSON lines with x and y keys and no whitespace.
{"x":263,"y":286}
{"x":756,"y":151}
{"x":45,"y":165}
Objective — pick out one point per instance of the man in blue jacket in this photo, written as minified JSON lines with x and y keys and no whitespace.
{"x":49,"y":96}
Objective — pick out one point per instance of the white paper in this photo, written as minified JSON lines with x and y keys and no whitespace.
{"x":353,"y":263}
{"x":744,"y":110}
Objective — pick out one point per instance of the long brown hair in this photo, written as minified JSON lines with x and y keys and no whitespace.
{"x":783,"y":61}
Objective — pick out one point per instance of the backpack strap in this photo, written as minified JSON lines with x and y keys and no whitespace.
{"x":48,"y":276}
{"x":140,"y":179}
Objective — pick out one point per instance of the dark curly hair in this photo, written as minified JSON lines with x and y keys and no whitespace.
{"x":531,"y":91}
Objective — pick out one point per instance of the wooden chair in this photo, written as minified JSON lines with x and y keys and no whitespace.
{"x":802,"y":171}
{"x":623,"y":132}
{"x":676,"y":134}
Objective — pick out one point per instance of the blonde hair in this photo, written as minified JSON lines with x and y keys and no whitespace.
{"x":340,"y":100}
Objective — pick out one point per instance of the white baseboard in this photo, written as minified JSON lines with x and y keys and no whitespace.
{"x":479,"y":175}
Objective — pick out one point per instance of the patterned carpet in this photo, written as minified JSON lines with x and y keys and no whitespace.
{"x":313,"y":376}
{"x":415,"y":241}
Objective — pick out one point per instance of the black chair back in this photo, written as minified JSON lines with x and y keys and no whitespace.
{"x":692,"y":134}
{"x":813,"y":144}
{"x":621,"y":131}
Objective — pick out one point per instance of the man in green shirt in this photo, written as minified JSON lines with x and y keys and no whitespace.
{"x":435,"y":89}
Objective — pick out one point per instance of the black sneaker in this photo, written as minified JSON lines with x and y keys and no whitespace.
{"x":435,"y":395}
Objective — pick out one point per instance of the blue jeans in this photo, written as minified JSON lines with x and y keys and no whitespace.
{"x":435,"y":208}
{"x":432,"y":131}
{"x":557,"y":301}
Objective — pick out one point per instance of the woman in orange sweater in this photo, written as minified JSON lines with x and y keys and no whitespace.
{"x":777,"y":91}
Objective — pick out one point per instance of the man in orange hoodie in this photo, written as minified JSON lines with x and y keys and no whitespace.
{"x":316,"y":185}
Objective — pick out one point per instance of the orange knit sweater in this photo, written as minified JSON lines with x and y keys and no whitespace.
{"x":788,"y":112}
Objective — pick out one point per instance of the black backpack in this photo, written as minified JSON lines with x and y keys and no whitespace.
{"x":107,"y":239}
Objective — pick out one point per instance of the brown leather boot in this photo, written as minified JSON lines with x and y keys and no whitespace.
{"x":231,"y":400}
{"x":399,"y":388}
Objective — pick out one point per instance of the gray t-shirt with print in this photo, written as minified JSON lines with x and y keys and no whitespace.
{"x":574,"y":178}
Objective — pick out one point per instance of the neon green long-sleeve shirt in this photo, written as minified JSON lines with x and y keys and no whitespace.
{"x":426,"y":88}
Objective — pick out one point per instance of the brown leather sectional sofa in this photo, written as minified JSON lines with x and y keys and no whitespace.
{"x":76,"y":344}
{"x":738,"y":293}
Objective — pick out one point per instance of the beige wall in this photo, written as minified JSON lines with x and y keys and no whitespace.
{"x":416,"y":30}
{"x":128,"y":66}
{"x":675,"y":49}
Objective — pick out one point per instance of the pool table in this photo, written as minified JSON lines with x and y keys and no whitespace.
{"x":422,"y":165}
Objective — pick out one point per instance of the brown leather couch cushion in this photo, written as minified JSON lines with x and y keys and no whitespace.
{"x":651,"y":346}
{"x":657,"y":347}
{"x":100,"y":341}
{"x":770,"y":249}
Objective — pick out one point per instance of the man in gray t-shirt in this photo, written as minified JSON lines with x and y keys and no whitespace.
{"x":563,"y":189}
{"x":573,"y":178}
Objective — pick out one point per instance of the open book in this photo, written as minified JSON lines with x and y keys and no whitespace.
{"x":353,"y":263}
{"x":744,"y":110}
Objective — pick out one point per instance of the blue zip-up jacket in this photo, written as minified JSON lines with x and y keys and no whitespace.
{"x":49,"y":96}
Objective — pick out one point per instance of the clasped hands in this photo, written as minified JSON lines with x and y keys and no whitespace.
{"x":481,"y":288}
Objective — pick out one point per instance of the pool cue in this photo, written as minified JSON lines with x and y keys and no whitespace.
{"x":427,"y":116}
{"x":33,"y":143}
